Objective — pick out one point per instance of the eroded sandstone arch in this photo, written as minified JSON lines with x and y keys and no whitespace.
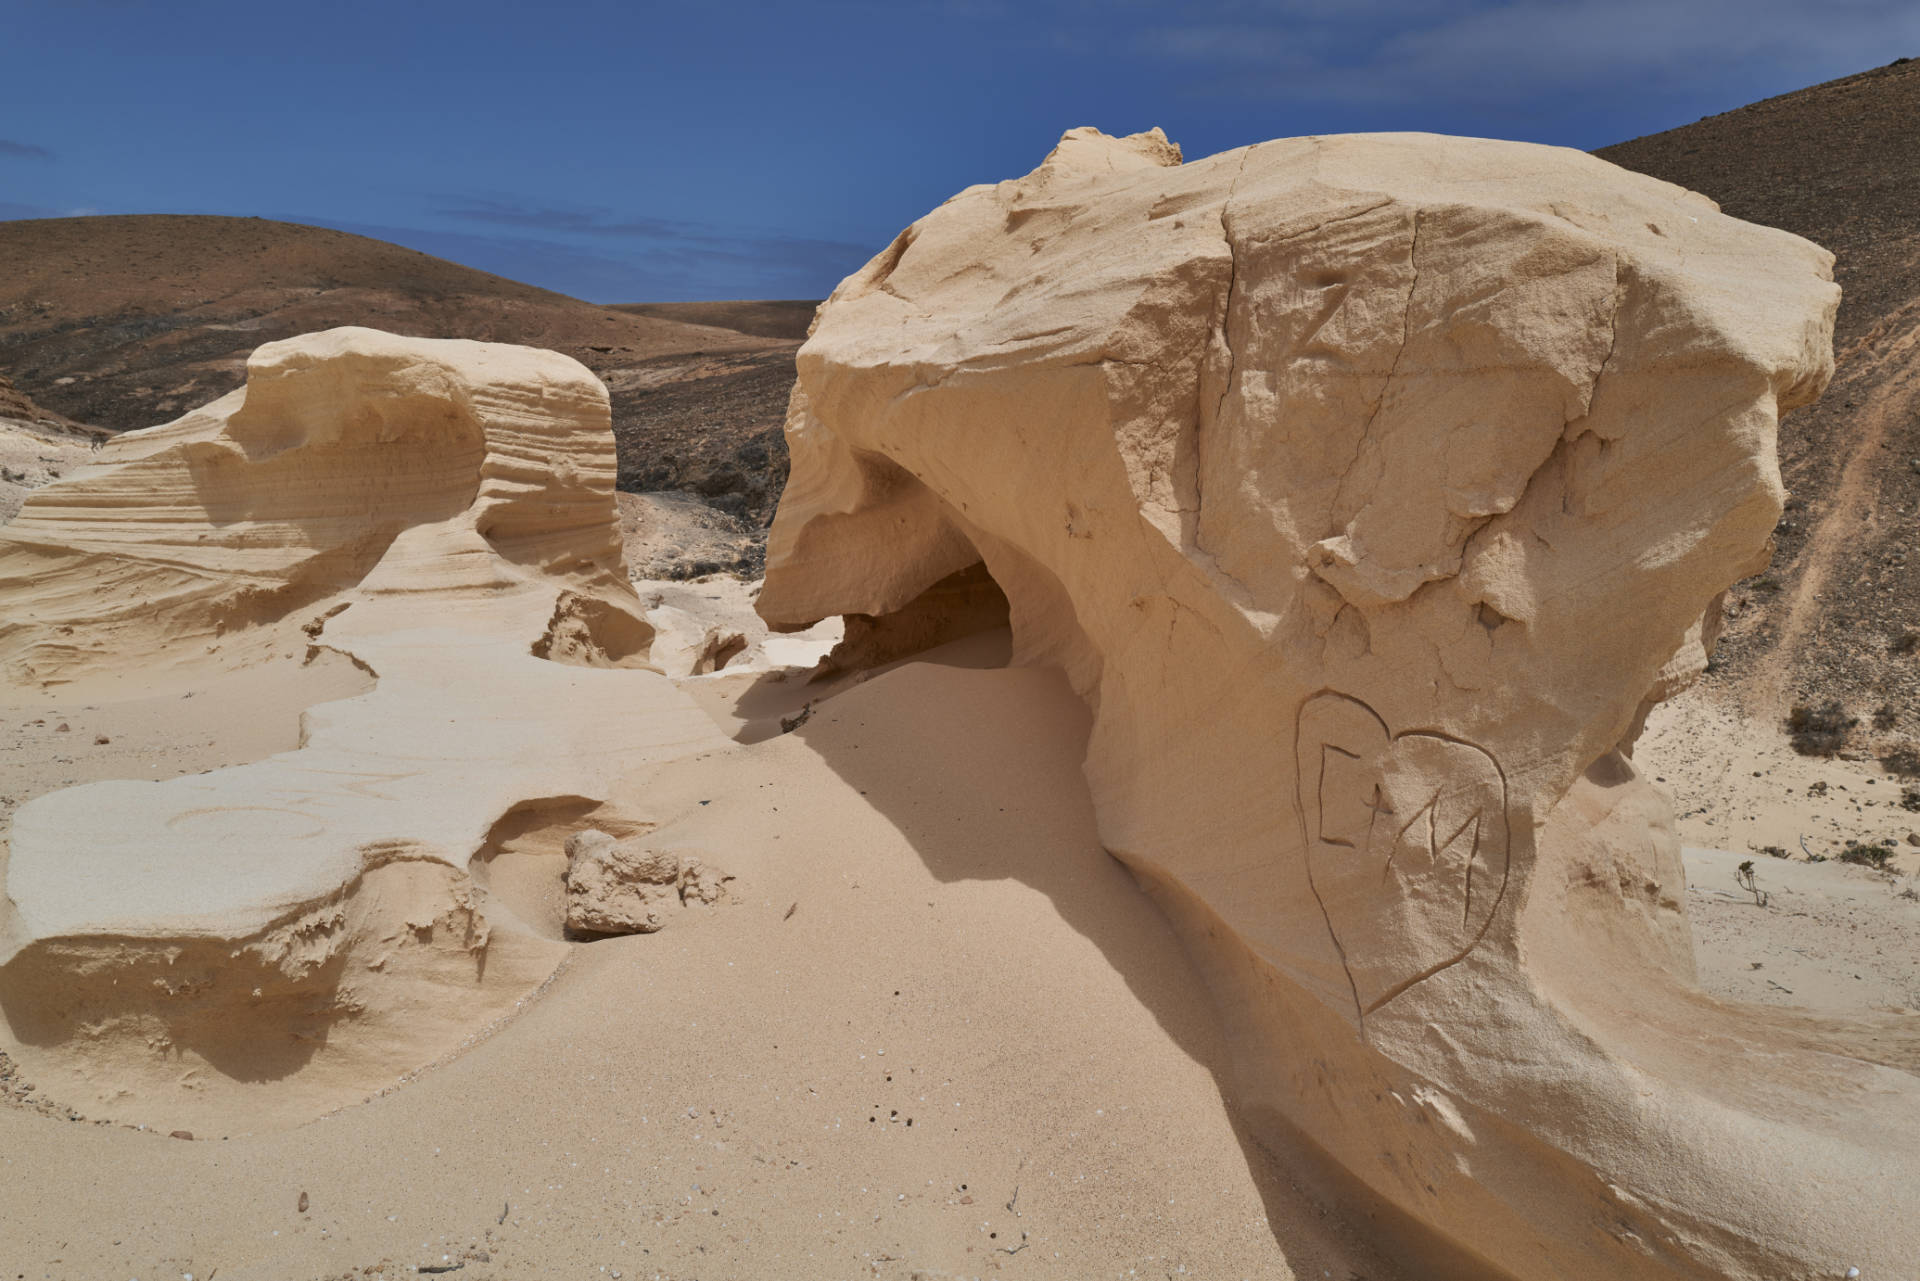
{"x":1365,"y":486}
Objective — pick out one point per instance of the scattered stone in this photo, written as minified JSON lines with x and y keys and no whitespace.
{"x":702,"y":884}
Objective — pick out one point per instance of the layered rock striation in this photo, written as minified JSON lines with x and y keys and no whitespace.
{"x":351,"y":460}
{"x":1366,"y":487}
{"x":441,"y":513}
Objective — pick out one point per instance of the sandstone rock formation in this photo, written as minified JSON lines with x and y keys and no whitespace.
{"x":454,"y":473}
{"x":441,"y":512}
{"x":631,"y":886}
{"x":707,"y":625}
{"x":687,"y":645}
{"x":1365,"y":486}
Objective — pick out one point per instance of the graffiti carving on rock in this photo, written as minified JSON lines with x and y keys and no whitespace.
{"x":1407,"y":843}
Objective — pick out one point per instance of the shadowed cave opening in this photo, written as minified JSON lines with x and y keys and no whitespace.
{"x":964,"y":603}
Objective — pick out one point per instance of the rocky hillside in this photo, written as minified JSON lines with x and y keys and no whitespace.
{"x":1836,"y":619}
{"x":36,"y":446}
{"x":17,"y":406}
{"x":129,"y":321}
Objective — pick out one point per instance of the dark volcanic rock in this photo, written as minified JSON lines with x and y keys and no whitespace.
{"x":713,"y":431}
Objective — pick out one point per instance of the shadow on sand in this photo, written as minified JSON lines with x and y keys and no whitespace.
{"x":980,"y":770}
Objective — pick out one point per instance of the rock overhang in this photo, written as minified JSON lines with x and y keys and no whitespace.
{"x":1365,"y":487}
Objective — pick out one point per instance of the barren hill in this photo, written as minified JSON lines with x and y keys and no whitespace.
{"x":17,"y":406}
{"x":120,"y":320}
{"x":768,"y":318}
{"x":1837,"y":616}
{"x":129,"y":321}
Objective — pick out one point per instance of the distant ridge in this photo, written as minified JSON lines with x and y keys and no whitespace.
{"x":130,"y":321}
{"x":1838,"y":614}
{"x":777,"y":318}
{"x":17,"y":406}
{"x":126,"y":321}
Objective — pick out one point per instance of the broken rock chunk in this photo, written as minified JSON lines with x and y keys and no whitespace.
{"x":631,"y":887}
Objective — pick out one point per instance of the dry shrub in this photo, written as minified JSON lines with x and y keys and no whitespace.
{"x":1819,"y":731}
{"x":1875,"y":856}
{"x":1902,"y":759}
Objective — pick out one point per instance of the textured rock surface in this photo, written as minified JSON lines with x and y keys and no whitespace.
{"x":441,"y":512}
{"x":616,"y":888}
{"x":1365,"y":486}
{"x":686,"y":645}
{"x":959,"y":605}
{"x":631,"y":886}
{"x":707,"y":626}
{"x":438,"y":470}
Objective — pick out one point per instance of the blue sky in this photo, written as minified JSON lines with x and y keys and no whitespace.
{"x":630,"y":152}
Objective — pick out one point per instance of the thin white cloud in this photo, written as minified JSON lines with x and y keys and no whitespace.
{"x":1494,"y":54}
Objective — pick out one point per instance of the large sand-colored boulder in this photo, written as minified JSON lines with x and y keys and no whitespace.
{"x":440,"y":470}
{"x":441,"y":513}
{"x":1365,"y":486}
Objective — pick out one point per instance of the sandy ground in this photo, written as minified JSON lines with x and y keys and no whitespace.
{"x":940,"y":1034}
{"x":1738,"y":784}
{"x":31,"y":454}
{"x":1830,"y":937}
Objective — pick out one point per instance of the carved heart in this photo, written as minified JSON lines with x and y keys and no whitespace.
{"x":1407,"y":843}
